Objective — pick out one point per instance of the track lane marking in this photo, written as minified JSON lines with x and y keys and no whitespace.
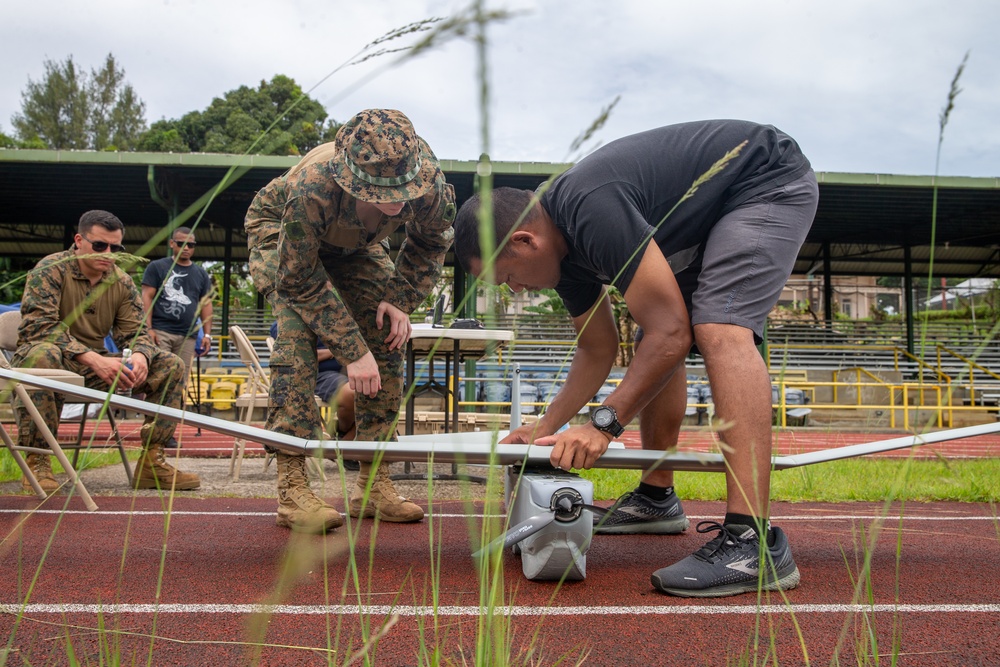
{"x":795,"y":517}
{"x":414,"y":611}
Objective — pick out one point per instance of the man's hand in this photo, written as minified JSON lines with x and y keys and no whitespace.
{"x":108,"y":368}
{"x":576,"y":447}
{"x":152,"y":336}
{"x":524,"y":435}
{"x":140,"y":369}
{"x":363,"y":376}
{"x":399,"y":324}
{"x":206,"y":345}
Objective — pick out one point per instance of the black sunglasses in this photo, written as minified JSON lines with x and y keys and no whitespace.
{"x":101,"y":246}
{"x":189,"y":244}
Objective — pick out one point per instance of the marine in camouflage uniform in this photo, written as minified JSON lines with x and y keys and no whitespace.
{"x":324,"y":272}
{"x":72,"y":299}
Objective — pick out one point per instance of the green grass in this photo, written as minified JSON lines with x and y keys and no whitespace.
{"x":872,"y":480}
{"x":869,"y":480}
{"x":98,"y":459}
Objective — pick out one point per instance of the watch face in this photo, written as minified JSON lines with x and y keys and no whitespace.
{"x":603,"y":417}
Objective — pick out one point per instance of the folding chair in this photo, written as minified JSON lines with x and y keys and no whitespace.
{"x":255,"y":394}
{"x":19,"y":391}
{"x":9,"y":323}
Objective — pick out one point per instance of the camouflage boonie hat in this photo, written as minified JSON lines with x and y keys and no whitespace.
{"x":381,"y":159}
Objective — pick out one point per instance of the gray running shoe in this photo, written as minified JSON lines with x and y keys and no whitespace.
{"x":730,"y":564}
{"x":636,"y":513}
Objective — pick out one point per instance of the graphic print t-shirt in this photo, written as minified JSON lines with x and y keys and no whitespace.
{"x":178,"y":304}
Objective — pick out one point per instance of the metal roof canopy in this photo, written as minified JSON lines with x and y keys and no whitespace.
{"x":866,"y":224}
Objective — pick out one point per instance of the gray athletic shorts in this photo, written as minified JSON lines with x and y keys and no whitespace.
{"x":328,"y":383}
{"x":748,"y":256}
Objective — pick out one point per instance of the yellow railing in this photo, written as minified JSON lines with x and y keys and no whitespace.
{"x":858,"y":371}
{"x":905,"y":400}
{"x":898,"y":353}
{"x":568,"y":344}
{"x":972,"y":364}
{"x":926,"y":397}
{"x":942,"y":376}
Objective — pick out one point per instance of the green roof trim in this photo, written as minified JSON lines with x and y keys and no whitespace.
{"x":449,"y":166}
{"x":903,"y":180}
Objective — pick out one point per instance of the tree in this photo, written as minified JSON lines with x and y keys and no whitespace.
{"x":55,"y":109}
{"x":10,"y":142}
{"x":553,"y":305}
{"x":11,"y":281}
{"x":118,"y":116}
{"x":71,"y":109}
{"x":162,"y":137}
{"x":235,"y":122}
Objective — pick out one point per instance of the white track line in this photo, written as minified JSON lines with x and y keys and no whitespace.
{"x":693,"y":517}
{"x":413,"y":611}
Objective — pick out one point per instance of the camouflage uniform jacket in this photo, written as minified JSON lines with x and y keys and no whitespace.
{"x":318,"y":218}
{"x":60,"y":306}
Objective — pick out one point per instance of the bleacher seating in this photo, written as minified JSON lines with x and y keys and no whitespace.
{"x":543,"y":346}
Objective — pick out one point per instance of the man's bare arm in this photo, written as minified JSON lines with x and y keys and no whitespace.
{"x":596,"y":349}
{"x":148,"y":294}
{"x":597,"y":346}
{"x":655,"y":302}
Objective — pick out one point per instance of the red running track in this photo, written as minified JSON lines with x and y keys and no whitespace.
{"x":224,"y":557}
{"x":181,"y":589}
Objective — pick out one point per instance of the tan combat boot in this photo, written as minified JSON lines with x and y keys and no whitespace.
{"x":153,"y":472}
{"x":383,"y":502}
{"x":41,"y":466}
{"x":298,"y":507}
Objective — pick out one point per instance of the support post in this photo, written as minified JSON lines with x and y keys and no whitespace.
{"x":827,"y":286}
{"x":227,"y":275}
{"x":908,"y":296}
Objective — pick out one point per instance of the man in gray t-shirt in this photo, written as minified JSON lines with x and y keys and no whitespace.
{"x":698,"y":225}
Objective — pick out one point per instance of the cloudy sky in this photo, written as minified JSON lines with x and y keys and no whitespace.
{"x":859,"y":83}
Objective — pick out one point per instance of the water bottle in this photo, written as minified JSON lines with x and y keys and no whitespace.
{"x":126,"y":361}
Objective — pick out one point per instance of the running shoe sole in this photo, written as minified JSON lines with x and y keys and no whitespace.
{"x":672,"y":526}
{"x":785,"y":583}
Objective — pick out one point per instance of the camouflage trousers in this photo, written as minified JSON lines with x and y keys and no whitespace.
{"x":360,"y":279}
{"x":164,"y":386}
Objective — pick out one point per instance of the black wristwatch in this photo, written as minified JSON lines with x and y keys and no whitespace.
{"x":604,"y":418}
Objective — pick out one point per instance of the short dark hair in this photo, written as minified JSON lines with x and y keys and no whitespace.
{"x":509,"y":206}
{"x":98,"y":218}
{"x":186,"y":231}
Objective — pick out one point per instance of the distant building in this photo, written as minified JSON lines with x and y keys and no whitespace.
{"x":856,"y":296}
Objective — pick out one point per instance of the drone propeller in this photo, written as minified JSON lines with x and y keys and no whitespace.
{"x":565,"y":505}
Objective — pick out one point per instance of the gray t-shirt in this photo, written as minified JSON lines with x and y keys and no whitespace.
{"x":177,"y":306}
{"x":609,"y":203}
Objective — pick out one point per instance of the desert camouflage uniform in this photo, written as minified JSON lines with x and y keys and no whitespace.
{"x":55,"y":330}
{"x":324,"y":274}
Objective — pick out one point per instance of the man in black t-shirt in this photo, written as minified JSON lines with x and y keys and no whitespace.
{"x":727,"y":205}
{"x":186,"y":295}
{"x":175,"y":293}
